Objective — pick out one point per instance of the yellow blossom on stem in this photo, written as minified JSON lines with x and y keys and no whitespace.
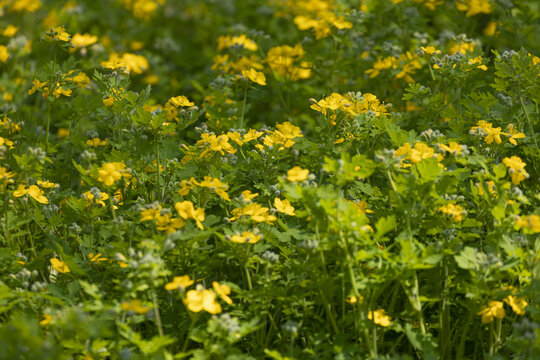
{"x":247,"y":237}
{"x":517,"y":304}
{"x":284,"y":206}
{"x":223,"y":291}
{"x":135,"y":306}
{"x":493,"y":310}
{"x":198,"y":300}
{"x":516,"y":169}
{"x":455,"y":211}
{"x":297,"y":174}
{"x":255,"y":76}
{"x":529,"y":222}
{"x":34,"y":191}
{"x":179,"y":282}
{"x":513,"y":134}
{"x":59,"y":265}
{"x":379,"y":317}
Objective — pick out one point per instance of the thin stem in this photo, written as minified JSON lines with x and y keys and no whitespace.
{"x":243,"y":107}
{"x":526,"y":115}
{"x":156,"y":313}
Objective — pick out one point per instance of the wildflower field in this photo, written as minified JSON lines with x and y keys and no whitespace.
{"x":279,"y":179}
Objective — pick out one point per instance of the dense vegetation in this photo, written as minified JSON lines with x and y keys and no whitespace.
{"x":280,"y":179}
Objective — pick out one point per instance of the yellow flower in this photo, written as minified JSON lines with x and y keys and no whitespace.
{"x":198,"y":300}
{"x":111,"y":172}
{"x":46,"y":320}
{"x":248,"y":195}
{"x":516,"y":169}
{"x":252,"y":134}
{"x":531,"y":222}
{"x":257,"y":212}
{"x":455,"y":211}
{"x":135,"y":306}
{"x":513,"y":134}
{"x":355,"y":300}
{"x":129,"y":62}
{"x":474,"y":7}
{"x":241,"y":40}
{"x":46,"y":184}
{"x":255,"y":76}
{"x":214,"y":184}
{"x":486,"y":129}
{"x":10,"y":30}
{"x":187,"y":211}
{"x":186,"y":186}
{"x":58,"y":34}
{"x":517,"y":304}
{"x":96,"y":258}
{"x":247,"y":237}
{"x":84,"y":40}
{"x":63,"y":133}
{"x":165,"y":222}
{"x":151,"y":213}
{"x":453,"y":148}
{"x":96,"y":142}
{"x":34,"y":191}
{"x":284,"y":206}
{"x":297,"y":174}
{"x":430,"y":50}
{"x":59,"y":266}
{"x":4,"y":53}
{"x":180,"y":101}
{"x":223,"y":291}
{"x":493,"y":310}
{"x":179,"y":282}
{"x":379,"y":317}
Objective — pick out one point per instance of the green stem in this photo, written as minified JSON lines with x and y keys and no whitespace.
{"x":243,"y":107}
{"x":156,"y":313}
{"x":526,"y":115}
{"x":248,"y":276}
{"x":47,"y":127}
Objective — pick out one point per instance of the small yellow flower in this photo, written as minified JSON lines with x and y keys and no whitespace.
{"x":531,"y":222}
{"x":84,"y":40}
{"x":198,"y":300}
{"x":135,"y":306}
{"x":59,"y":266}
{"x":180,"y":101}
{"x":58,"y":34}
{"x":248,"y":195}
{"x":179,"y":282}
{"x":430,"y":50}
{"x":455,"y":211}
{"x":494,"y":309}
{"x":187,"y":211}
{"x":4,"y":53}
{"x":513,"y":134}
{"x":517,"y":304}
{"x":247,"y":237}
{"x":516,"y":169}
{"x":379,"y":317}
{"x":255,"y":76}
{"x":355,"y":300}
{"x":297,"y":174}
{"x":96,"y":258}
{"x":63,"y":133}
{"x":284,"y":206}
{"x":46,"y":320}
{"x":223,"y":291}
{"x":96,"y":142}
{"x":10,"y":30}
{"x":34,"y":191}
